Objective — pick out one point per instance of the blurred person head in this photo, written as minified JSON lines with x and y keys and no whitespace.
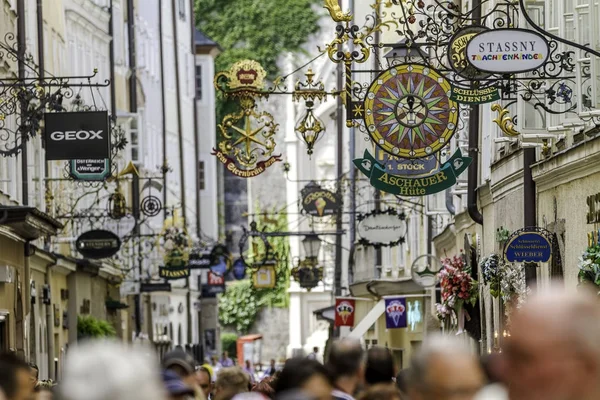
{"x":15,"y":377}
{"x":380,"y":366}
{"x":176,"y":388}
{"x":225,"y":355}
{"x":35,"y":374}
{"x":293,"y":395}
{"x":444,"y":368}
{"x":182,"y":364}
{"x":382,"y":391}
{"x":553,"y":352}
{"x":402,"y":381}
{"x":230,"y":382}
{"x":248,"y":364}
{"x":491,"y":364}
{"x":272,"y":363}
{"x":315,"y":349}
{"x":44,"y":390}
{"x":105,"y":370}
{"x":308,"y":376}
{"x":204,"y":380}
{"x":347,"y":364}
{"x":264,"y":387}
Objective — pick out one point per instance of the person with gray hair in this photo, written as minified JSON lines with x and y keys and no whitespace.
{"x":105,"y":370}
{"x":444,"y":367}
{"x":553,"y":352}
{"x":347,"y":363}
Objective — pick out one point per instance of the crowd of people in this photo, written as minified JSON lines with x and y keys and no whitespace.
{"x":553,"y":353}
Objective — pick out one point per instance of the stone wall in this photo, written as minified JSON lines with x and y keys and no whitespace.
{"x":273,"y":324}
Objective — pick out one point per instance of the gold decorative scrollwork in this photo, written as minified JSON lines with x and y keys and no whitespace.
{"x":336,"y":11}
{"x":504,"y":121}
{"x":253,"y":140}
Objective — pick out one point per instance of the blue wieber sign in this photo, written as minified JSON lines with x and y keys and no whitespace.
{"x":528,"y":247}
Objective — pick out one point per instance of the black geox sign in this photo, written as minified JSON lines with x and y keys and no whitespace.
{"x":77,"y":135}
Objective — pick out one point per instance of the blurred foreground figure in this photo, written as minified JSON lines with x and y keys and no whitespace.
{"x":305,"y":376}
{"x":443,"y":368}
{"x":230,"y":382}
{"x":383,"y":391}
{"x":177,"y":389}
{"x":380,"y":366}
{"x":347,"y":364}
{"x":554,"y":349}
{"x":44,"y":390}
{"x":110,"y":371}
{"x":15,"y":378}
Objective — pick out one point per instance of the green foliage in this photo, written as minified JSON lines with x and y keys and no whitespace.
{"x":589,"y":266}
{"x":229,"y":342}
{"x":258,"y":30}
{"x":241,"y":303}
{"x":90,"y":327}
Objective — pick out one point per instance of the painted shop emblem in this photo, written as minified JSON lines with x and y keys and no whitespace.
{"x":409,"y":112}
{"x":319,"y":202}
{"x":440,"y":180}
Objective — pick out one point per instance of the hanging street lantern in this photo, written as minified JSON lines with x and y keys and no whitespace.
{"x":307,"y":274}
{"x":310,"y":128}
{"x":312,"y":246}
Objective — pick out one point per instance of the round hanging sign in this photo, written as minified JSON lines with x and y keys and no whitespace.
{"x":424,"y":270}
{"x":382,"y":228}
{"x":409,"y":112}
{"x":98,"y":244}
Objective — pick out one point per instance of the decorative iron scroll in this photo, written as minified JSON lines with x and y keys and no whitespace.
{"x":23,"y":102}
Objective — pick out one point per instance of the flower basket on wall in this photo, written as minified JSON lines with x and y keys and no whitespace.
{"x":589,"y":269}
{"x":458,"y":288}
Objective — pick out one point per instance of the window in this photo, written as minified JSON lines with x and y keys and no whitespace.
{"x":198,"y":82}
{"x":201,"y":179}
{"x":182,"y":9}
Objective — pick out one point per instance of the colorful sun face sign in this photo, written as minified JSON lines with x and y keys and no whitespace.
{"x":409,"y":112}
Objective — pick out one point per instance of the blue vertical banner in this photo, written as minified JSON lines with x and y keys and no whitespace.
{"x":395,"y":313}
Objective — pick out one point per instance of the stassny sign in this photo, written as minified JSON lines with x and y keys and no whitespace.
{"x":77,"y":135}
{"x":505,"y":51}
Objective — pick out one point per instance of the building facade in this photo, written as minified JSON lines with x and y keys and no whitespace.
{"x":148,"y":52}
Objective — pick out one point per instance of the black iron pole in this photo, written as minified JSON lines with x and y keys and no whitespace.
{"x":23,"y":107}
{"x":179,"y":124}
{"x":132,"y":57}
{"x":197,"y":162}
{"x":111,"y":55}
{"x":474,"y":120}
{"x":340,"y":171}
{"x":529,"y":208}
{"x":163,"y":106}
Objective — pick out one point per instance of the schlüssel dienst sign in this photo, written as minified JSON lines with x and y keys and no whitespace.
{"x":528,"y":247}
{"x":508,"y":51}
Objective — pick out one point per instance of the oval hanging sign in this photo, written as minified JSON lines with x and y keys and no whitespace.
{"x":528,"y":247}
{"x":508,"y":51}
{"x":319,"y":202}
{"x":382,"y":228}
{"x":98,"y":244}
